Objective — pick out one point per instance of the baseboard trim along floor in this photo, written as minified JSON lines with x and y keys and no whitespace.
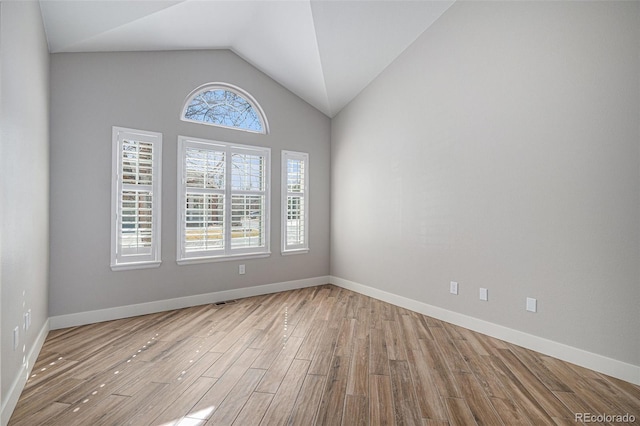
{"x":599,"y":363}
{"x":9,"y":404}
{"x":90,"y":317}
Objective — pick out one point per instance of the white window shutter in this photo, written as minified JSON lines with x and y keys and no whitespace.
{"x":136,"y":199}
{"x":295,"y":202}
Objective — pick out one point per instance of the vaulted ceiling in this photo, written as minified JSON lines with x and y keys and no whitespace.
{"x":325,"y":51}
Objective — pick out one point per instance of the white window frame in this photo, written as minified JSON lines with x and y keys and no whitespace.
{"x":119,"y":259}
{"x":229,"y":88}
{"x":227,"y":252}
{"x":303,"y":247}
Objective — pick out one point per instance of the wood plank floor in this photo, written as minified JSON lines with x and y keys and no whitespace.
{"x":321,"y":355}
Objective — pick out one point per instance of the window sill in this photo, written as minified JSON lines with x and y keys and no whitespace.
{"x":136,"y":265}
{"x":296,"y":251}
{"x":210,"y":259}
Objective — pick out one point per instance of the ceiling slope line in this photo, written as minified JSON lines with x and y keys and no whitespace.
{"x":329,"y":111}
{"x":70,"y":47}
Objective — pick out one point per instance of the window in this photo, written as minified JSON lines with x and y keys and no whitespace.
{"x":224,"y":105}
{"x":295,"y":202}
{"x":223,"y":200}
{"x":135,"y":199}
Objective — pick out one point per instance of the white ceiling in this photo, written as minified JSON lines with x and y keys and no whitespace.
{"x":325,"y":51}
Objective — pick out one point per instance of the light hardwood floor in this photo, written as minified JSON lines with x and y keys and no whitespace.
{"x":321,"y":355}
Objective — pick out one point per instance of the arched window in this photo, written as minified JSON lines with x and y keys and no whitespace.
{"x":224,"y":105}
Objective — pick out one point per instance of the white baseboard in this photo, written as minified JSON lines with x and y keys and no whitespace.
{"x":605,"y":365}
{"x":90,"y":317}
{"x":9,"y":404}
{"x":602,"y":364}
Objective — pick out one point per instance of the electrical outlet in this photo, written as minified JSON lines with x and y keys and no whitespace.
{"x":241,"y":269}
{"x":484,"y":294}
{"x":532,"y":304}
{"x":453,"y":287}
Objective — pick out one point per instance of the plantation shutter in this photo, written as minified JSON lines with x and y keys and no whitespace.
{"x":295,"y":190}
{"x":137,"y":197}
{"x":223,"y":200}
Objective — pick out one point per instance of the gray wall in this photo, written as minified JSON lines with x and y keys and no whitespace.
{"x":24,"y":182}
{"x":91,"y":92}
{"x":501,"y":150}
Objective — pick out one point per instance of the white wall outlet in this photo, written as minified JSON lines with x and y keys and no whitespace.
{"x":484,"y":294}
{"x":532,"y":304}
{"x":241,"y":270}
{"x":16,"y":337}
{"x":453,"y":287}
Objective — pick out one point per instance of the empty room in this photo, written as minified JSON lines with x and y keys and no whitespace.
{"x":319,"y":212}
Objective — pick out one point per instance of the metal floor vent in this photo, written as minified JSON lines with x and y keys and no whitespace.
{"x":225,"y":302}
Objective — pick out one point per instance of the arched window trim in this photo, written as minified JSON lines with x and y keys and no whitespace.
{"x":231,"y":88}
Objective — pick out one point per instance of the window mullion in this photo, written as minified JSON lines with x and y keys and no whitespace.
{"x":227,"y":201}
{"x":204,"y":191}
{"x":137,"y":187}
{"x":244,"y":192}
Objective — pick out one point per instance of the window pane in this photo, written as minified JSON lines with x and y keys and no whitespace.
{"x":295,"y":187}
{"x":247,"y":221}
{"x":136,"y":196}
{"x":204,"y":222}
{"x":224,"y":108}
{"x":205,"y":168}
{"x":136,"y":222}
{"x":247,"y":172}
{"x":295,"y":220}
{"x":295,"y":175}
{"x":137,"y":160}
{"x":225,"y":199}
